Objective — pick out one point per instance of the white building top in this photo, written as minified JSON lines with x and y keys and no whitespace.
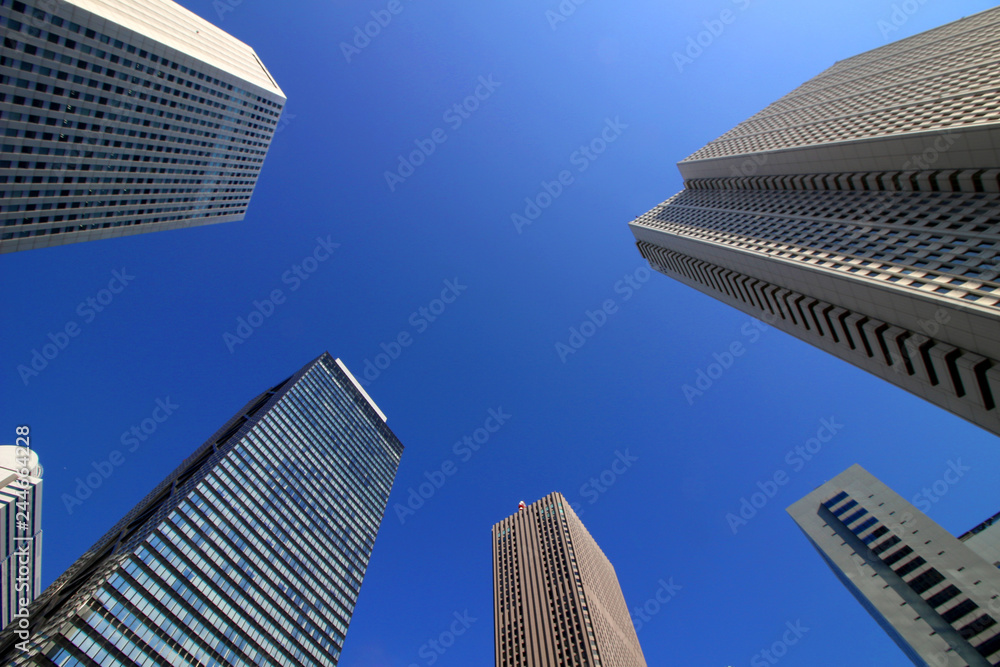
{"x":170,"y":24}
{"x":362,"y":390}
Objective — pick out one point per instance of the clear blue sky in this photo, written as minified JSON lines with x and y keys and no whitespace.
{"x":518,"y":294}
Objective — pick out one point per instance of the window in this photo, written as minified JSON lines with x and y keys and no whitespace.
{"x":836,"y":499}
{"x":904,"y":570}
{"x":864,"y":525}
{"x":885,"y":546}
{"x":972,"y":629}
{"x":898,"y":555}
{"x":855,"y":516}
{"x":926,"y":581}
{"x":875,"y":534}
{"x":959,"y":610}
{"x":840,"y":511}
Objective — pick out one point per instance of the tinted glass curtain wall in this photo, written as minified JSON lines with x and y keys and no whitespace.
{"x":251,"y":553}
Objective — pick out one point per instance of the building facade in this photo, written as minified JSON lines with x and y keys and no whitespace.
{"x":122,"y":117}
{"x":861,"y":214}
{"x":937,"y":596}
{"x":252,"y":552}
{"x":556,"y":598}
{"x":20,"y":529}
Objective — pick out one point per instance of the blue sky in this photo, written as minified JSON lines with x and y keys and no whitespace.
{"x":546,"y":88}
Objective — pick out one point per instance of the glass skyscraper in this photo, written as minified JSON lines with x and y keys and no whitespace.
{"x":125,"y":116}
{"x":861,"y":214}
{"x":252,"y":552}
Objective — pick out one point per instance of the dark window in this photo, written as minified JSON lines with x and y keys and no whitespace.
{"x":877,"y":533}
{"x":864,"y":525}
{"x":836,"y":499}
{"x":989,"y":647}
{"x":959,"y":610}
{"x":926,"y":580}
{"x":904,"y":570}
{"x":840,"y":511}
{"x":856,"y":515}
{"x":977,"y":626}
{"x":898,"y":555}
{"x":889,"y":543}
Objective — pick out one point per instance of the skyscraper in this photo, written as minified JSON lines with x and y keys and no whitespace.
{"x":937,"y":596}
{"x":125,"y":116}
{"x":861,"y":214}
{"x":20,"y":529}
{"x":252,"y":552}
{"x":556,"y":598}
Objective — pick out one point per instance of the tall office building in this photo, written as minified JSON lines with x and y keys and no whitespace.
{"x":556,"y":598}
{"x":122,"y":117}
{"x":936,"y":595}
{"x":252,"y":552}
{"x":20,"y":529}
{"x":861,"y":214}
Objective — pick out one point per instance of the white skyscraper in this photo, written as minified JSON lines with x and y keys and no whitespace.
{"x":122,"y":117}
{"x":937,"y":596}
{"x":861,"y":214}
{"x":20,"y":529}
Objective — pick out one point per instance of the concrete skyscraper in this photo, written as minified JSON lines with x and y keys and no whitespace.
{"x":936,"y":595}
{"x":20,"y":528}
{"x":122,"y":117}
{"x":252,"y":552}
{"x":556,"y":598}
{"x":861,"y":214}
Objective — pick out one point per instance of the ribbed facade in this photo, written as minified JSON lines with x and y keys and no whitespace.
{"x":861,"y":213}
{"x":936,"y":595}
{"x":252,"y":552}
{"x":556,"y":598}
{"x":125,"y":116}
{"x":20,"y":528}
